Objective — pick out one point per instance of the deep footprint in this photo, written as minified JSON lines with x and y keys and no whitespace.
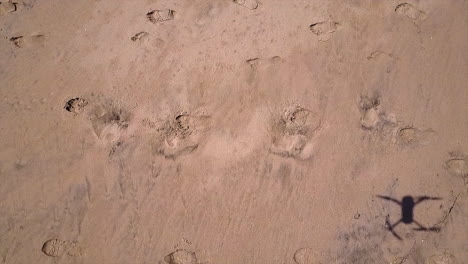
{"x":181,"y":135}
{"x":76,"y":105}
{"x":371,"y":112}
{"x":291,"y":133}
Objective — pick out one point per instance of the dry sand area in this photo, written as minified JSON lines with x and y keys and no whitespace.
{"x":234,"y":132}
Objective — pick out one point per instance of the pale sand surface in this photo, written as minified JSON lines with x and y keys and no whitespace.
{"x":219,"y":131}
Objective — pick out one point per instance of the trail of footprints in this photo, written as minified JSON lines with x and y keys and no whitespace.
{"x":374,"y":118}
{"x":291,"y":135}
{"x":20,"y":41}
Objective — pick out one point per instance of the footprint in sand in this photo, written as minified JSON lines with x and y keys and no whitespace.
{"x":325,"y":29}
{"x":457,"y":165}
{"x":75,"y":105}
{"x":372,"y":115}
{"x":306,"y":256}
{"x":292,"y":131}
{"x":140,"y":36}
{"x":441,"y":258}
{"x":7,"y":7}
{"x":159,"y":16}
{"x":181,"y":256}
{"x":57,"y":248}
{"x":414,"y":137}
{"x":28,"y":41}
{"x":410,"y":11}
{"x":109,"y":121}
{"x":255,"y":63}
{"x":181,"y":135}
{"x":249,"y":4}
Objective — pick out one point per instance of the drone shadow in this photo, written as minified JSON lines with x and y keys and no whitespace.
{"x":407,"y":205}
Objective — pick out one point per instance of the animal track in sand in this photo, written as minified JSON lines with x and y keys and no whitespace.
{"x":181,"y":256}
{"x":181,"y":135}
{"x":76,"y":105}
{"x":140,"y":36}
{"x":159,"y":16}
{"x":7,"y":7}
{"x":325,"y":29}
{"x":292,"y":131}
{"x":410,"y":11}
{"x":57,"y":247}
{"x":109,"y":120}
{"x":22,"y":41}
{"x":249,"y":4}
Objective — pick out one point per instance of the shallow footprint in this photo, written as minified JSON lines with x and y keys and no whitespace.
{"x":181,"y":256}
{"x":457,"y":166}
{"x":409,"y":11}
{"x":33,"y":40}
{"x":109,"y":121}
{"x":413,"y":137}
{"x":159,"y":16}
{"x":249,"y":4}
{"x":7,"y":7}
{"x":442,"y":258}
{"x":305,"y":256}
{"x":325,"y":29}
{"x":140,"y":36}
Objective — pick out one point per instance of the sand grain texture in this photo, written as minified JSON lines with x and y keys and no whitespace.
{"x":232,"y":131}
